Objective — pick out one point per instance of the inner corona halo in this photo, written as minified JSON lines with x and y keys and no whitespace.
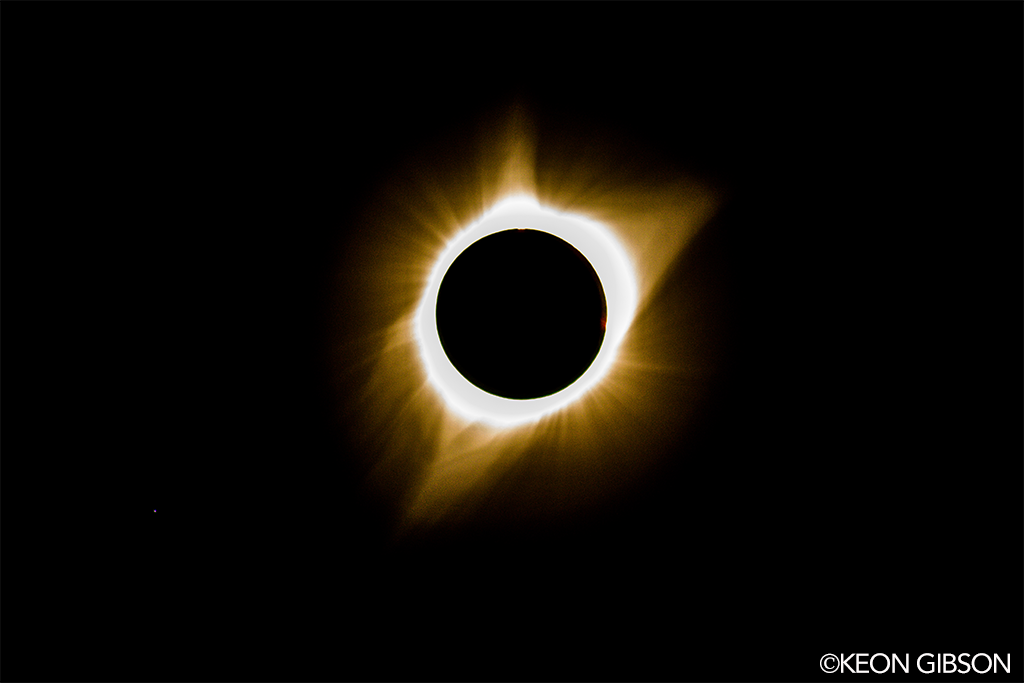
{"x":511,"y":386}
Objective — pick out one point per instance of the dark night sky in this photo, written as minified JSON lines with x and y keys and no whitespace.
{"x":854,"y":481}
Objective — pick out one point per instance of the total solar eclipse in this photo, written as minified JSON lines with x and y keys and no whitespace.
{"x":521,"y":314}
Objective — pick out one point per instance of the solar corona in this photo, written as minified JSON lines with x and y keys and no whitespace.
{"x":612,"y":317}
{"x":511,"y":338}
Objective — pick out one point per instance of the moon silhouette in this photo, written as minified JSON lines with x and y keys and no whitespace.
{"x":521,"y":314}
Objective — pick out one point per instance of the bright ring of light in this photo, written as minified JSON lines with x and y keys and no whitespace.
{"x":613,"y":267}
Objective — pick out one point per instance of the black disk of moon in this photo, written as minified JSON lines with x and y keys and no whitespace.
{"x":521,"y":314}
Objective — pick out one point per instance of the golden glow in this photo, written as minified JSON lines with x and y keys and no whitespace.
{"x":437,"y":449}
{"x":591,"y":239}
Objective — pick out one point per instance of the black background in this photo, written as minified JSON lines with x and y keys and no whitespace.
{"x":185,"y":177}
